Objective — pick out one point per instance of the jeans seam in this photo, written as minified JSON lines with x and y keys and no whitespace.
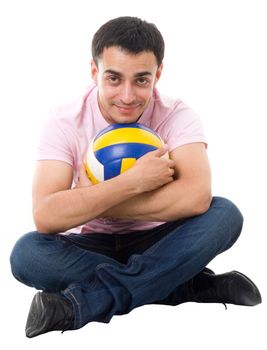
{"x":76,"y":307}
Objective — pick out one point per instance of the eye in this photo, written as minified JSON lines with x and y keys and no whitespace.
{"x":113,"y":79}
{"x":142,"y":81}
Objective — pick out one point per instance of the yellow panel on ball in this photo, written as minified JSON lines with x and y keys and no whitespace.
{"x":128,"y":135}
{"x":127,"y":163}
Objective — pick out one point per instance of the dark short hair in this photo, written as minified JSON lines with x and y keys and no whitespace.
{"x":131,"y":34}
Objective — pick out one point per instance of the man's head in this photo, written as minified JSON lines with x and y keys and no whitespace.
{"x":130,"y":34}
{"x":127,"y":62}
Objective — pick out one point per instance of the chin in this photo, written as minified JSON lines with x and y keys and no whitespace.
{"x":127,"y":121}
{"x":124,"y":120}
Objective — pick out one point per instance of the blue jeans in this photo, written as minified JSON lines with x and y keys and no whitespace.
{"x":103,"y":275}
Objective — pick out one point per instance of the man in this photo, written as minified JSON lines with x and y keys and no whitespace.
{"x":142,"y":237}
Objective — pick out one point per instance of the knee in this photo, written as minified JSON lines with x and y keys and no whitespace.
{"x":230,"y":212}
{"x":21,"y":257}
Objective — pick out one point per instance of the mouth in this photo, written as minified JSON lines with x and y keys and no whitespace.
{"x":127,"y":109}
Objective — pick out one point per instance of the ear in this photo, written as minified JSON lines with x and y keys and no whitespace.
{"x":94,"y":71}
{"x":158,"y":73}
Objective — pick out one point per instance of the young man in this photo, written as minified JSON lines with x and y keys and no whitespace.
{"x":142,"y":237}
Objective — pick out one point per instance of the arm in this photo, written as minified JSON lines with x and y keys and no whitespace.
{"x":188,"y":195}
{"x":57,"y":207}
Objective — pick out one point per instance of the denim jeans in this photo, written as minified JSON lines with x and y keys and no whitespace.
{"x":104,"y":275}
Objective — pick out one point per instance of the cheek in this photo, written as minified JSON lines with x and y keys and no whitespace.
{"x":146,"y":95}
{"x":109,"y":91}
{"x":105,"y":93}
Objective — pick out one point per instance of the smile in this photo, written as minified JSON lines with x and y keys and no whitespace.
{"x":127,"y":108}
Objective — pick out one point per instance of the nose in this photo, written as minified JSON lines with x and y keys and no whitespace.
{"x":127,"y":94}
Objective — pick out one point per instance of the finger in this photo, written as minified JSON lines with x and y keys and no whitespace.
{"x":171,"y":163}
{"x":170,"y":179}
{"x":159,"y":152}
{"x":171,"y":171}
{"x":83,"y":177}
{"x":83,"y":168}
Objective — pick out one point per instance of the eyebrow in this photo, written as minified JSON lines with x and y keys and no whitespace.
{"x":136,"y":75}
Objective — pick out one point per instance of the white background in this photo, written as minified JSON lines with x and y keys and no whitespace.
{"x":216,"y":62}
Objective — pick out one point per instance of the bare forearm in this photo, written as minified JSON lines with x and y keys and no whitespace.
{"x":70,"y":208}
{"x":188,"y":195}
{"x":171,"y":202}
{"x":67,"y":208}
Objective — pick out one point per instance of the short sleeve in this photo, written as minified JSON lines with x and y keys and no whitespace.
{"x":54,"y":143}
{"x":183,"y":126}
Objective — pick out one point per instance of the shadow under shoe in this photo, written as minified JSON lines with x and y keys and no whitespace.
{"x":48,"y":312}
{"x":228,"y":288}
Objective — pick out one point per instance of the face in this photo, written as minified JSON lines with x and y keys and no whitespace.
{"x":125,"y":83}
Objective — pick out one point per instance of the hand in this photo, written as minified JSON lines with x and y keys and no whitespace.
{"x":152,"y":171}
{"x":83,"y":180}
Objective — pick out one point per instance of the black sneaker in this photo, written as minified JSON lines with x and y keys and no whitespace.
{"x":48,"y":312}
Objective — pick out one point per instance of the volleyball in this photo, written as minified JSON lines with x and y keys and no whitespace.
{"x":116,"y":148}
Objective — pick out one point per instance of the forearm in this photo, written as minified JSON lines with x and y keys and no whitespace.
{"x":178,"y":199}
{"x":60,"y":210}
{"x":66,"y":209}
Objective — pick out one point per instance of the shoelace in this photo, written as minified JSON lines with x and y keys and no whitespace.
{"x":225,"y":306}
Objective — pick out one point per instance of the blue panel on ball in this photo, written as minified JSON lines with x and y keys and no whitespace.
{"x":112,"y":169}
{"x":122,"y":150}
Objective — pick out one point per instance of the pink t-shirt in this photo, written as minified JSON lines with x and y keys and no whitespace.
{"x":71,"y":127}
